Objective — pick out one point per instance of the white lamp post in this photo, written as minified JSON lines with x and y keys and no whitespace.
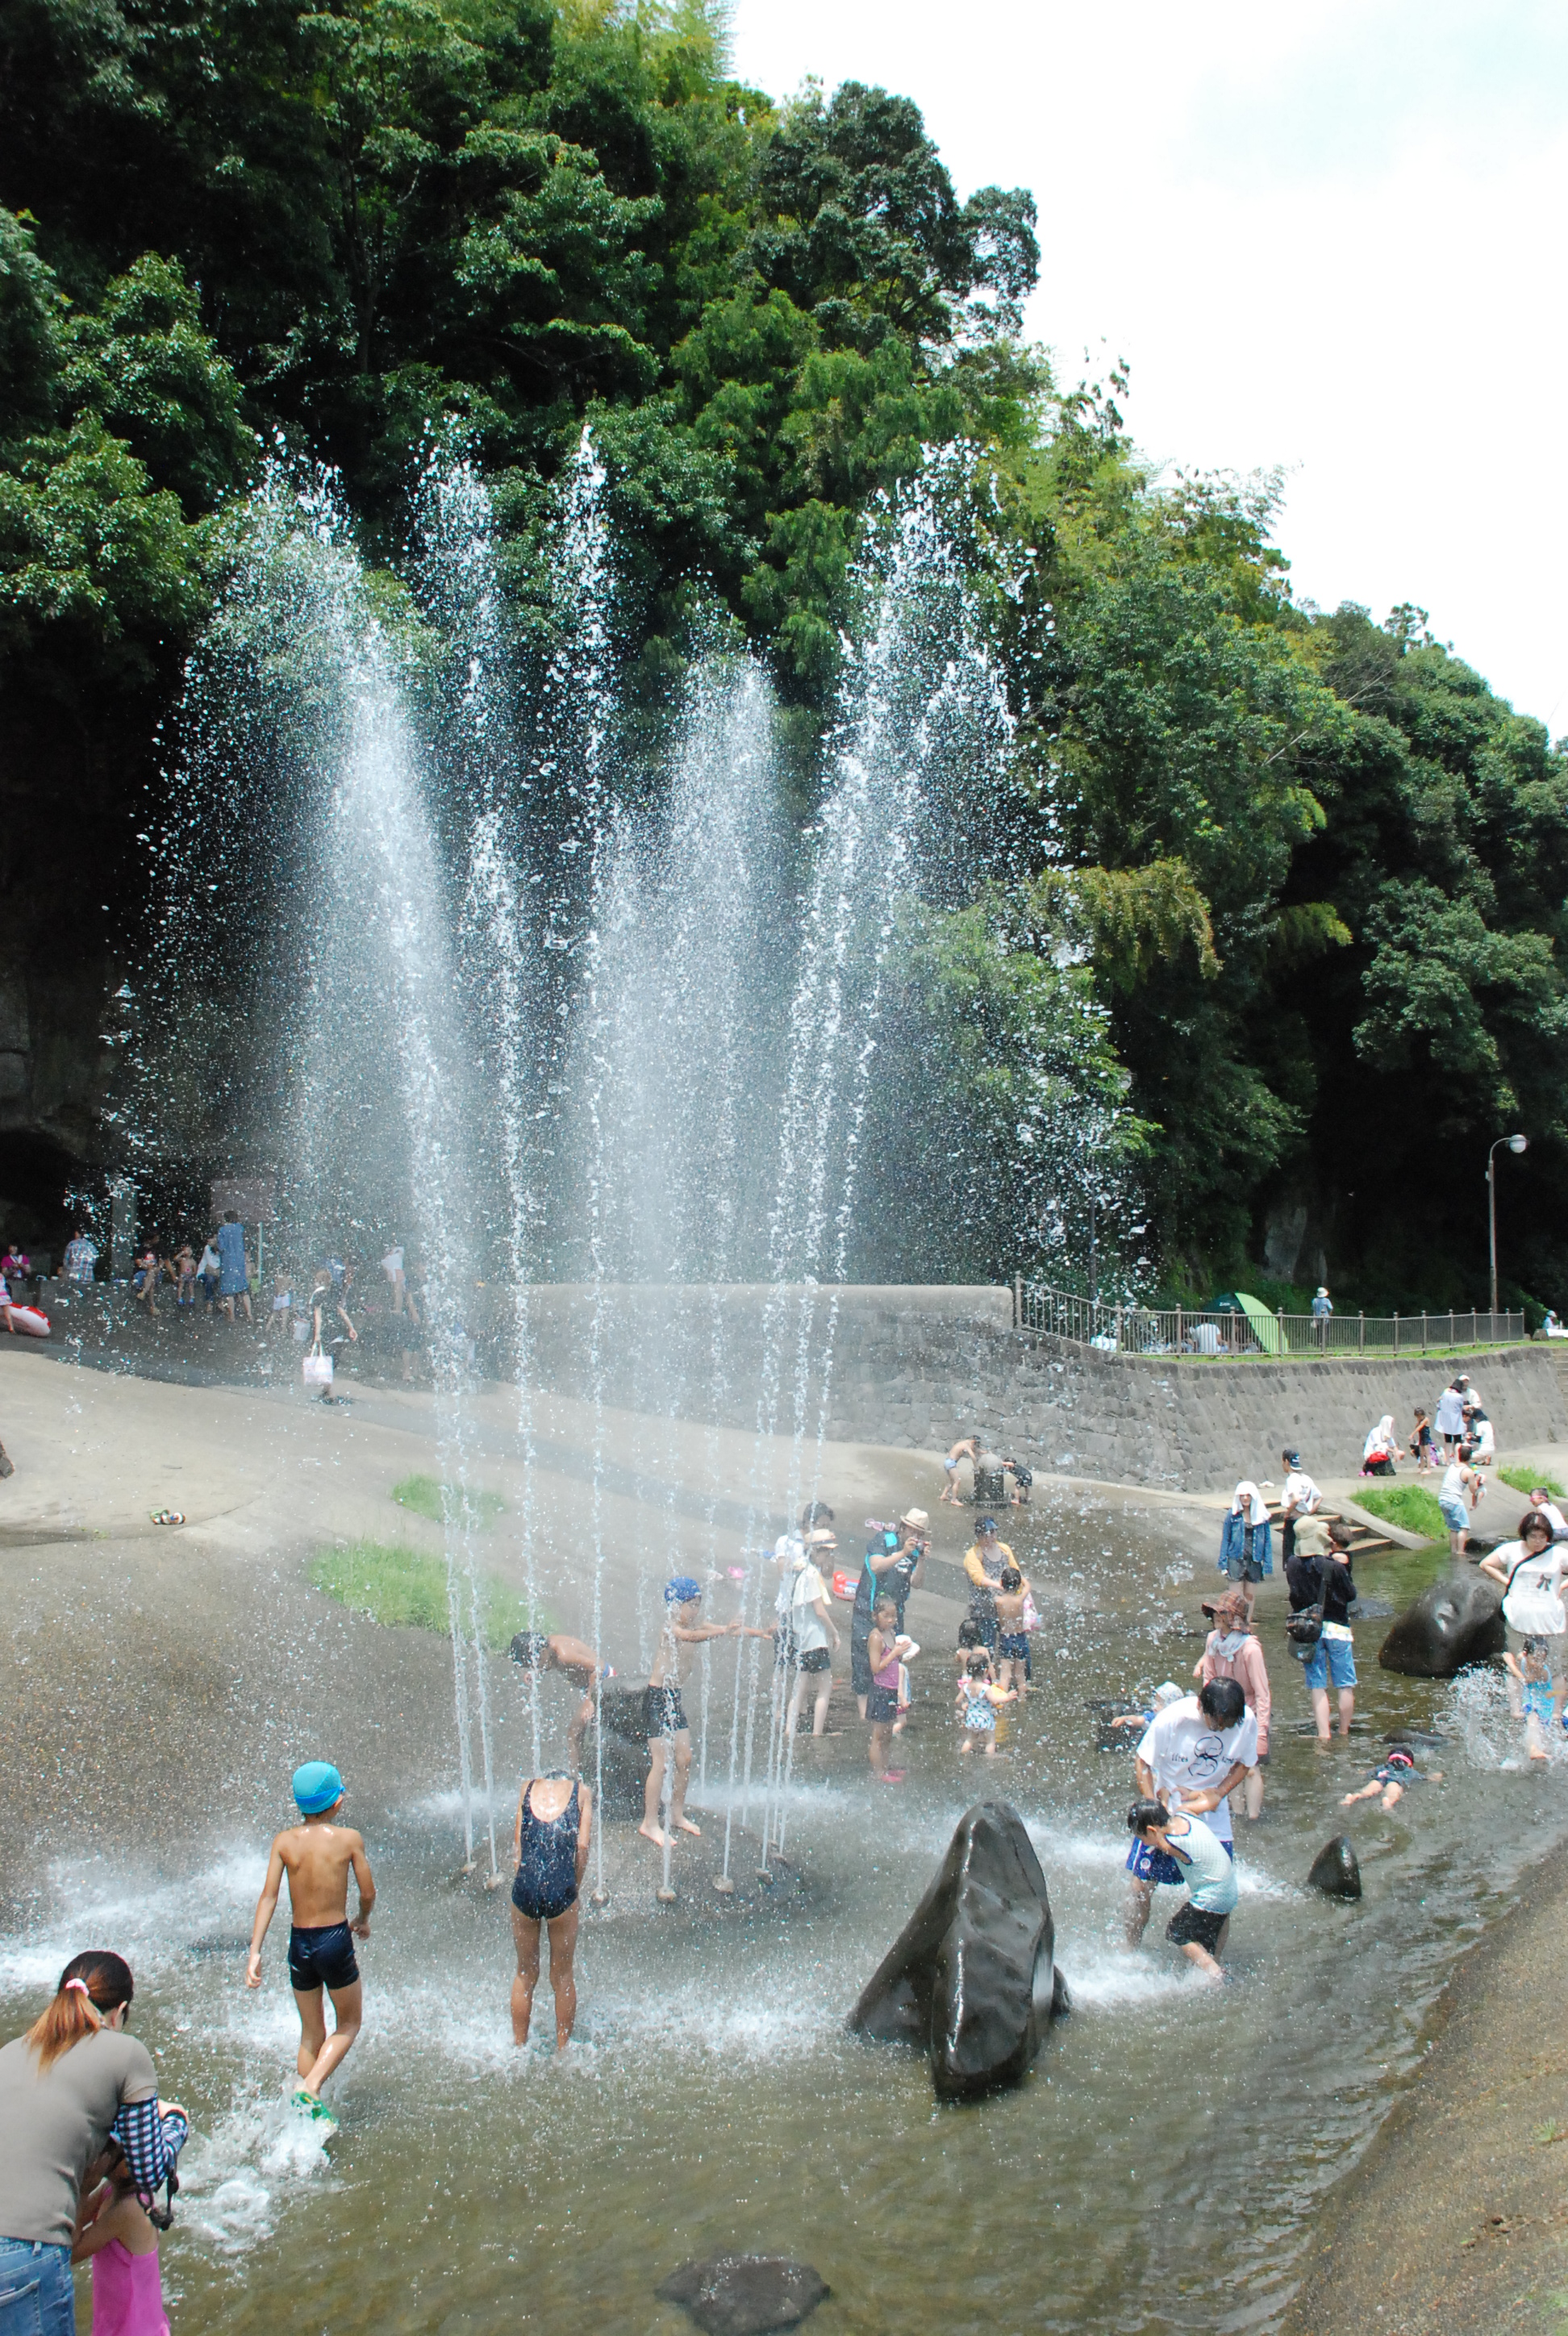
{"x":1514,"y":1143}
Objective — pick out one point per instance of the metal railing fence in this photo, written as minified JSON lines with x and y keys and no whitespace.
{"x":1173,"y":1331}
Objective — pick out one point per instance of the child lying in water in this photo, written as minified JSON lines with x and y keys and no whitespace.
{"x":1398,"y":1770}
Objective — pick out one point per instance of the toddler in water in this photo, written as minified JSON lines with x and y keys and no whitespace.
{"x":1398,"y":1770}
{"x":977,"y":1700}
{"x":115,"y":2231}
{"x":1531,"y":1668}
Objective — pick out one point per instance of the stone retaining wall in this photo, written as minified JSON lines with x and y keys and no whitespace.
{"x":922,"y":1366}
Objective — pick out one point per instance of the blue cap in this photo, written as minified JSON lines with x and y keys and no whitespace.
{"x":316,"y":1787}
{"x":681,"y":1591}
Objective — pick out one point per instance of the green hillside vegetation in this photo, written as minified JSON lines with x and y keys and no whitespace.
{"x":1310,"y":868}
{"x":1412,"y":1507}
{"x":449,"y":1504}
{"x":394,"y":1584}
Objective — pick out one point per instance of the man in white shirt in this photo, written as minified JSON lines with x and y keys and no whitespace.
{"x":1300,"y":1499}
{"x":1192,"y":1757}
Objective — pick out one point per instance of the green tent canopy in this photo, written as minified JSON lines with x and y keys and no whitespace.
{"x":1265,"y":1325}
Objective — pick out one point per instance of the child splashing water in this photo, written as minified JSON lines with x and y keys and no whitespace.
{"x":115,"y":2230}
{"x":977,"y":1700}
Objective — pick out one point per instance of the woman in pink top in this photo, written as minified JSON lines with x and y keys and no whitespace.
{"x":1233,"y":1652}
{"x":114,"y":2230}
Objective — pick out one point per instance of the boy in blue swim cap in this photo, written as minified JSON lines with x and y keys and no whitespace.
{"x":316,"y":1855}
{"x":667,"y":1731}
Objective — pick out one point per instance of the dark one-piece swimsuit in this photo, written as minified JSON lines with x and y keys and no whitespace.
{"x":546,"y":1883}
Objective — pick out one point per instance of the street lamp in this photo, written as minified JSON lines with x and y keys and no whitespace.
{"x":1514,"y":1143}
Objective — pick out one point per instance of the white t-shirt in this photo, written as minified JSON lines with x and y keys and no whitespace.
{"x":807,"y":1625}
{"x":1554,"y":1518}
{"x":1532,"y":1575}
{"x":1483,"y":1443}
{"x":1187,"y":1754}
{"x":1450,"y":1412}
{"x":1300,"y":1493}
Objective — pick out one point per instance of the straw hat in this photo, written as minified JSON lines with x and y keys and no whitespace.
{"x":916,"y":1518}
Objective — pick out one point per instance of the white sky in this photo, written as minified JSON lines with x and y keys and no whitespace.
{"x":1328,"y":236}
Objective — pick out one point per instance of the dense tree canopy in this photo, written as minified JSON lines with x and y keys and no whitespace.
{"x":1288,"y":887}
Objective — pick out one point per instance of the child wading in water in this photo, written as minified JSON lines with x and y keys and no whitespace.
{"x":977,"y":1700}
{"x":317,"y":1857}
{"x":886,"y":1651}
{"x":1531,"y":1668}
{"x":114,"y":2230}
{"x":1013,"y":1647}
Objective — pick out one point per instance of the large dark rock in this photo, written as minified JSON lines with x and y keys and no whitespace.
{"x":971,"y":1980}
{"x":1336,"y":1871}
{"x":990,"y":1482}
{"x":1457,"y":1621}
{"x":624,"y":1765}
{"x":745,"y":2296}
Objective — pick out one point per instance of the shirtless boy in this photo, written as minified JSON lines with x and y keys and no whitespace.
{"x":968,"y":1448}
{"x":556,"y":1651}
{"x":667,"y":1722}
{"x":316,"y":1855}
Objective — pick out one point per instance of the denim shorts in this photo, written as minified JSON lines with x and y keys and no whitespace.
{"x":1454,"y":1515}
{"x":1331,"y":1658}
{"x":37,"y":2297}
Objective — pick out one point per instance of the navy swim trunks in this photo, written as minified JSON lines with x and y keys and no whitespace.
{"x":324,"y":1958}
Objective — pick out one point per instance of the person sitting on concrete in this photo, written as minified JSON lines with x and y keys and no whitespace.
{"x":1479,"y":1436}
{"x":1380,"y":1451}
{"x":1541,"y":1498}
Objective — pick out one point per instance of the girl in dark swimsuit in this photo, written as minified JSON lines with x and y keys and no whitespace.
{"x":554,"y":1824}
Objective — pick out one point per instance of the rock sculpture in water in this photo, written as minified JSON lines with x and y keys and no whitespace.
{"x":1457,"y":1621}
{"x":745,"y":2296}
{"x":971,"y":1979}
{"x":1336,"y":1871}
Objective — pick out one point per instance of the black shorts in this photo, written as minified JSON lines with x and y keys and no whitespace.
{"x":1191,"y":1926}
{"x":861,"y":1663}
{"x":816,"y":1658}
{"x":324,"y":1958}
{"x":665,"y":1712}
{"x":882,"y":1703}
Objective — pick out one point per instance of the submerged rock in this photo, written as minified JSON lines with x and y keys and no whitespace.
{"x":1336,"y":1871}
{"x":1457,"y":1621}
{"x":971,"y":1979}
{"x":745,"y":2296}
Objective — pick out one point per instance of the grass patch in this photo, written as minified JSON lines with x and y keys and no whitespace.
{"x":448,"y":1504}
{"x":1411,"y":1507}
{"x":1525,"y":1480}
{"x":393,"y":1584}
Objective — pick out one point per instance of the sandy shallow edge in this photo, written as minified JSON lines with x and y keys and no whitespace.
{"x":1457,"y":2218}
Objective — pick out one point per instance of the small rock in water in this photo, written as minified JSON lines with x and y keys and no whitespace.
{"x":1335,"y":1870}
{"x":745,"y":2295}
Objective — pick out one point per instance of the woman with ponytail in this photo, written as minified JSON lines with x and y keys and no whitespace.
{"x":70,"y":2082}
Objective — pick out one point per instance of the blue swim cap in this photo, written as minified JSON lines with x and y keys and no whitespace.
{"x":316,"y":1787}
{"x":683,"y":1589}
